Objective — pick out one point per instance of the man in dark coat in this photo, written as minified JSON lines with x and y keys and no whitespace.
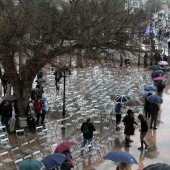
{"x":154,"y":108}
{"x":160,"y":85}
{"x":87,"y":128}
{"x":5,"y":82}
{"x":147,"y":106}
{"x":58,"y":76}
{"x":118,"y":115}
{"x":6,"y":115}
{"x":129,"y":127}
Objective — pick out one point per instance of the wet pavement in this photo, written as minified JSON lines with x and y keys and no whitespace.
{"x":158,"y":141}
{"x":82,"y":100}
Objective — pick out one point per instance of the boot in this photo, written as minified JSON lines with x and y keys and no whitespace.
{"x":127,"y":142}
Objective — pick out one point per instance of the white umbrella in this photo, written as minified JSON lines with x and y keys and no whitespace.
{"x":163,"y":63}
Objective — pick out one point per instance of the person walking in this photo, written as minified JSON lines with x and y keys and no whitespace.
{"x":38,"y":110}
{"x":4,"y":81}
{"x":13,"y":113}
{"x":160,"y":87}
{"x":147,"y":107}
{"x":143,"y":131}
{"x":68,"y":163}
{"x":145,"y":59}
{"x":87,"y":128}
{"x":40,"y":74}
{"x":121,"y":59}
{"x":154,"y":108}
{"x":129,"y":127}
{"x":6,"y":115}
{"x":118,"y":115}
{"x":58,"y":76}
{"x":122,"y":166}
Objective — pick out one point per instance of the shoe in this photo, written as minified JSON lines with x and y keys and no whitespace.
{"x":146,"y":147}
{"x":154,"y":128}
{"x":140,"y":148}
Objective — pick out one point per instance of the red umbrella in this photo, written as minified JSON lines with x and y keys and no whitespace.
{"x":64,"y":146}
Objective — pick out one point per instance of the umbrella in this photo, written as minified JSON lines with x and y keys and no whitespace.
{"x":120,"y":156}
{"x":122,"y":98}
{"x":9,"y":97}
{"x":40,"y":80}
{"x":155,"y":99}
{"x":163,"y":63}
{"x":53,"y":160}
{"x":157,"y":166}
{"x":167,"y":69}
{"x":30,"y":164}
{"x":133,"y":102}
{"x":150,"y":87}
{"x":159,"y":78}
{"x":159,"y":72}
{"x":144,"y":93}
{"x":155,"y":67}
{"x":64,"y":146}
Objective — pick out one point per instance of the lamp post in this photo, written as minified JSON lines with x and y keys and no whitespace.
{"x":64,"y":69}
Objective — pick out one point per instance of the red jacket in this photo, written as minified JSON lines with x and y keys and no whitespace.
{"x":38,"y":106}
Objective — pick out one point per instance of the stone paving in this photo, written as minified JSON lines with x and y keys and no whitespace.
{"x":106,"y":139}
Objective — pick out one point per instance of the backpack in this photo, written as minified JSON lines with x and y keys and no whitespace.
{"x":85,"y":129}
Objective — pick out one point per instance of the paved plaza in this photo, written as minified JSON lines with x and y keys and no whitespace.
{"x":88,"y":93}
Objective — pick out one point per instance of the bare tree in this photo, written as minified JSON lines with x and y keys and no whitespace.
{"x":39,"y":31}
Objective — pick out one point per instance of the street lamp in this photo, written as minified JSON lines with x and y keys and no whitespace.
{"x":64,"y":70}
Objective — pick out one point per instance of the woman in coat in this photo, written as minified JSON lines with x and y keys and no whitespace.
{"x":129,"y":127}
{"x":143,"y":130}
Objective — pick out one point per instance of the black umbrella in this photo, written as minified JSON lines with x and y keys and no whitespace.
{"x":9,"y":97}
{"x":159,"y":72}
{"x":158,"y":166}
{"x":155,"y":67}
{"x":122,"y":99}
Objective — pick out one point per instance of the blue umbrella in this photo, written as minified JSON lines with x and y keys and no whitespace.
{"x":40,"y":80}
{"x":53,"y":160}
{"x":157,"y":166}
{"x":120,"y":156}
{"x":145,"y":93}
{"x":150,"y":87}
{"x":155,"y":99}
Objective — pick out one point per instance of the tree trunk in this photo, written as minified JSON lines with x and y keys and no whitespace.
{"x":79,"y":62}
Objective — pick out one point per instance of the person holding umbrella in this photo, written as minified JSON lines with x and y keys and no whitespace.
{"x":147,"y":107}
{"x":118,"y":115}
{"x":68,"y":163}
{"x":154,"y":108}
{"x":143,"y":130}
{"x":129,"y":127}
{"x":160,"y":85}
{"x":122,"y":166}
